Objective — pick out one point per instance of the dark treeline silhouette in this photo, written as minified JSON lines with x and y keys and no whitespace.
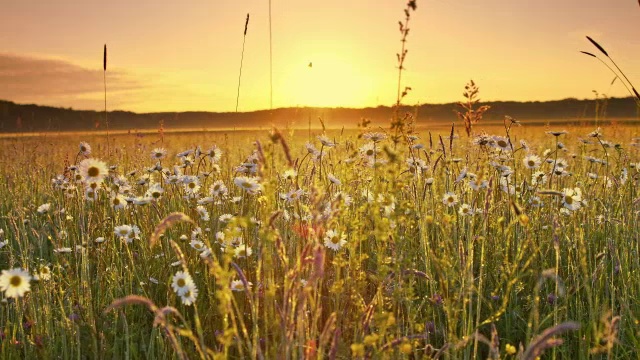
{"x":30,"y":118}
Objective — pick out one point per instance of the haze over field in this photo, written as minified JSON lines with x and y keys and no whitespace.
{"x":172,"y":56}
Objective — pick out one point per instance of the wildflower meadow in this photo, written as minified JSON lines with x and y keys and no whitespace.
{"x":514,"y":242}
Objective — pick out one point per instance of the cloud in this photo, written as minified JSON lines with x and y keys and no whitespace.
{"x":39,"y":79}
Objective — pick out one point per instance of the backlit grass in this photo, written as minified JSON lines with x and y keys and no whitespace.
{"x":339,"y":245}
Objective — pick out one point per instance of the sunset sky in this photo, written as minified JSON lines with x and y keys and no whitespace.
{"x":185,"y":55}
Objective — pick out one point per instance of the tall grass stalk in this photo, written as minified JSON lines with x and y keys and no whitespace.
{"x":625,"y":80}
{"x":399,"y":122}
{"x":244,"y":39}
{"x":104,"y":77}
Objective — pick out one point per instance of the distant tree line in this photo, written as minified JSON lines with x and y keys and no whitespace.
{"x":30,"y":118}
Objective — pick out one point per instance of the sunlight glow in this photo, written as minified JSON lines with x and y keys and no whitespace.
{"x":327,"y":80}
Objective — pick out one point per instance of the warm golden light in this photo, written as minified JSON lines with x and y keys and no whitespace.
{"x":172,"y":56}
{"x":331,"y":81}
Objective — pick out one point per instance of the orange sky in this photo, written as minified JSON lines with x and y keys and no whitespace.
{"x":184,"y":55}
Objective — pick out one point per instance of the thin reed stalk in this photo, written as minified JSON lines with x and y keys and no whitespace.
{"x":244,"y":39}
{"x":104,"y":77}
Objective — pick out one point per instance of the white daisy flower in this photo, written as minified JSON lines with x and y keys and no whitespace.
{"x":206,"y":200}
{"x":197,"y":245}
{"x":502,"y":143}
{"x":465,"y":210}
{"x":462,"y":175}
{"x":532,"y":161}
{"x":225,"y":218}
{"x":237,"y":285}
{"x":118,"y":201}
{"x":557,"y":133}
{"x":90,"y":194}
{"x":368,"y":150}
{"x":44,"y":208}
{"x":311,"y":149}
{"x":334,"y":179}
{"x":122,"y":231}
{"x":325,"y":141}
{"x":538,"y":177}
{"x":535,"y":201}
{"x":173,"y":179}
{"x":85,"y":148}
{"x":181,"y":282}
{"x":185,"y":153}
{"x":15,"y":282}
{"x":154,"y":191}
{"x":375,"y":136}
{"x":44,"y":273}
{"x":242,"y":251}
{"x":202,"y":211}
{"x":450,"y":199}
{"x":334,"y":240}
{"x":218,"y":189}
{"x":214,"y":153}
{"x":191,"y":184}
{"x":93,"y":170}
{"x":158,"y":153}
{"x":248,"y":184}
{"x":294,"y":195}
{"x":189,"y":294}
{"x":572,"y":198}
{"x":142,"y":200}
{"x":290,"y":174}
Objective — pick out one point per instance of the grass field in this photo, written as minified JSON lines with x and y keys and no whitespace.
{"x":517,"y":242}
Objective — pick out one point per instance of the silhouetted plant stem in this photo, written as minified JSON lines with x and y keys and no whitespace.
{"x":634,"y":93}
{"x":104,"y":73}
{"x":244,"y":39}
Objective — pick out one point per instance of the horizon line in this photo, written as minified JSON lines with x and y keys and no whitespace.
{"x":311,"y":107}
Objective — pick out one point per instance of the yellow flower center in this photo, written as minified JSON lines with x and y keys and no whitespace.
{"x":335,"y":239}
{"x":93,"y":171}
{"x":15,"y":281}
{"x":181,"y":282}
